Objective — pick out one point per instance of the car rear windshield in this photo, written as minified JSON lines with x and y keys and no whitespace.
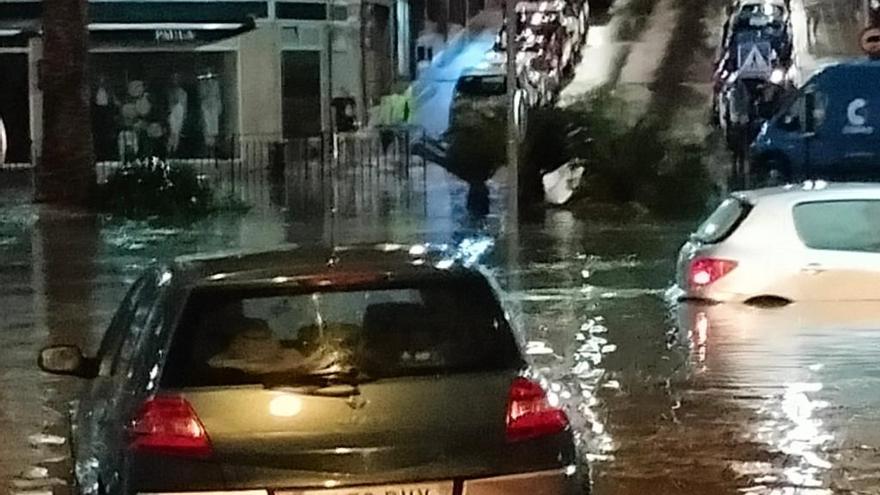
{"x":723,"y":221}
{"x":258,"y":336}
{"x":482,"y":85}
{"x":852,"y":225}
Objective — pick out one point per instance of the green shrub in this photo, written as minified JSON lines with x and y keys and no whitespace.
{"x":476,"y":150}
{"x":624,"y":166}
{"x":682,"y":187}
{"x":154,"y":188}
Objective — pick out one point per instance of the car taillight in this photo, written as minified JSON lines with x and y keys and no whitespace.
{"x":169,"y":425}
{"x":530,"y":414}
{"x":704,"y":271}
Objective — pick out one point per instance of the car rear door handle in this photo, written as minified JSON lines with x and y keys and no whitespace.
{"x":813,"y":268}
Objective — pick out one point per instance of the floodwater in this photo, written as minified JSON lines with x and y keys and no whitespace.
{"x":714,"y":400}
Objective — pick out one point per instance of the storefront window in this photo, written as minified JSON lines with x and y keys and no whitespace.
{"x":170,"y":105}
{"x":14,"y":107}
{"x":301,"y":86}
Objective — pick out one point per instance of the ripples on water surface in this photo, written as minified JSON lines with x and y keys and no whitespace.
{"x":718,"y":399}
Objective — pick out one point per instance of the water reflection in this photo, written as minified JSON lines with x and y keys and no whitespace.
{"x":807,"y":375}
{"x":49,"y":300}
{"x":64,"y":272}
{"x":690,"y":399}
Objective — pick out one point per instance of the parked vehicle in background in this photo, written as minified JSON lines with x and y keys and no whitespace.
{"x":480,"y":94}
{"x":809,"y":242}
{"x":542,"y":69}
{"x":480,"y":97}
{"x":830,"y":129}
{"x":771,"y":18}
{"x":325,"y":371}
{"x":560,"y":27}
{"x":744,"y":104}
{"x":756,"y":45}
{"x":550,"y":37}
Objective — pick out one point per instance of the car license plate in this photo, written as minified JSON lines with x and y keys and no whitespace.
{"x":436,"y":488}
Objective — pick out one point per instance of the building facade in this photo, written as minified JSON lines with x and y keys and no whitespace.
{"x":178,"y":77}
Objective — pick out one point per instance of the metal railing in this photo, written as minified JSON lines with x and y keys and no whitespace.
{"x":352,"y":173}
{"x":373,"y":171}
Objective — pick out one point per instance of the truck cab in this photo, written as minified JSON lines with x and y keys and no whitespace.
{"x":829,"y":128}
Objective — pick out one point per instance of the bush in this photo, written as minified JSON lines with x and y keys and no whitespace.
{"x":477,"y":150}
{"x":154,"y":188}
{"x":682,"y":187}
{"x":624,"y":166}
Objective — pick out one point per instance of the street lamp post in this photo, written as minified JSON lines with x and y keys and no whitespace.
{"x":328,"y":116}
{"x":512,"y":125}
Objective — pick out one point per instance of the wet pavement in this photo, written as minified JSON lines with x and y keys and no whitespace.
{"x":720,"y":399}
{"x":664,"y":399}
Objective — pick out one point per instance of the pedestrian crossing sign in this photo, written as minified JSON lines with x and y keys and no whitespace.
{"x":754,"y":60}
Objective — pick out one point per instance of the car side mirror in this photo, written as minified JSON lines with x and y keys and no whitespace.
{"x":66,"y":360}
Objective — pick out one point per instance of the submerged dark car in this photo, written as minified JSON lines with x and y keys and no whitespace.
{"x":321,"y":372}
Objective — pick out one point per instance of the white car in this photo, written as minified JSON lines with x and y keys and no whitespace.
{"x":810,"y":242}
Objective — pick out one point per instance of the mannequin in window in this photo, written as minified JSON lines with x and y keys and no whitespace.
{"x":212,"y":108}
{"x":104,"y":118}
{"x":344,"y":113}
{"x":177,"y":104}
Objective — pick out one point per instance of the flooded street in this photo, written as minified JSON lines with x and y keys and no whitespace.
{"x":719,"y":399}
{"x":695,"y":398}
{"x":663,"y":397}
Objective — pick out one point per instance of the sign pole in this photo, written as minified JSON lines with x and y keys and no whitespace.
{"x":512,"y":127}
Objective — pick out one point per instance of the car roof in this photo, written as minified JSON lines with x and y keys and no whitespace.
{"x":341,"y":265}
{"x":487,"y":69}
{"x":866,"y":65}
{"x":811,"y":191}
{"x":779,"y":3}
{"x":541,"y":6}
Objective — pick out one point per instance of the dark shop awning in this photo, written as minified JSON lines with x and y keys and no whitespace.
{"x":16,"y":32}
{"x":165,"y":34}
{"x":154,"y":23}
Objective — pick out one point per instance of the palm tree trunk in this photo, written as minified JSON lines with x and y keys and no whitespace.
{"x":65,"y":173}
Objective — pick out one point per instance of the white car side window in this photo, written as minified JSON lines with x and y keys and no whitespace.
{"x":819,"y":227}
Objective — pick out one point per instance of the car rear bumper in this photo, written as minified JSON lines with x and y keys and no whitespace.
{"x":709,"y":295}
{"x":212,"y":492}
{"x":563,"y":481}
{"x":552,"y":482}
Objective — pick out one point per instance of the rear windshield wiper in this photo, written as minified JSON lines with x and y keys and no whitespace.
{"x":330,"y":382}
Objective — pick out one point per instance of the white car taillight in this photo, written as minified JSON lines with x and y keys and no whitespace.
{"x":705,"y":271}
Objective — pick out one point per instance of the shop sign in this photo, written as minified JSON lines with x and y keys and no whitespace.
{"x":754,"y":60}
{"x":174,"y":35}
